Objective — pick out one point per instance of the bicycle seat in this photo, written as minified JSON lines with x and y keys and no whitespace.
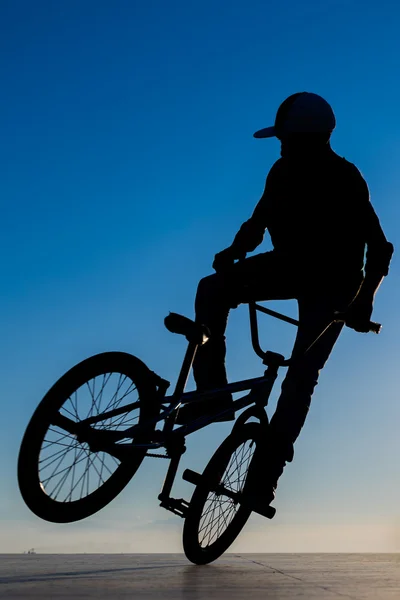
{"x":194,"y":332}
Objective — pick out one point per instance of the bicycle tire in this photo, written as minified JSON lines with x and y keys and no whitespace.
{"x":30,"y":470}
{"x":217,"y":473}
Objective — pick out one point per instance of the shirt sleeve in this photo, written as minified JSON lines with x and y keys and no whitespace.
{"x":251,"y":233}
{"x":379,"y":250}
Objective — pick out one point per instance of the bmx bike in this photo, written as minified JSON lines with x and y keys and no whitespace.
{"x":94,"y":427}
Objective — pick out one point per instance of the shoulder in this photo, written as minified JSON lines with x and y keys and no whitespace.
{"x":276,"y":171}
{"x":351,"y":176}
{"x":347,"y":167}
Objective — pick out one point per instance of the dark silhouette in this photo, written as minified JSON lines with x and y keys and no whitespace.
{"x":316,"y":208}
{"x":317,"y":211}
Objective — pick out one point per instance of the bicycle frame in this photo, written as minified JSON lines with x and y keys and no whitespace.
{"x":259,"y":386}
{"x":146,"y":437}
{"x":260,"y":389}
{"x":173,"y":438}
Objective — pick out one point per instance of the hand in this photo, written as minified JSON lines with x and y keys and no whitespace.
{"x":224,"y":260}
{"x":358,"y":315}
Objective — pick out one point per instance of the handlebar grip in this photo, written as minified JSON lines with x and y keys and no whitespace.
{"x":375,"y":327}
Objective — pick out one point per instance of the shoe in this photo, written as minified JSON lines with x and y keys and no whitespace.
{"x":259,"y":500}
{"x":207,"y":408}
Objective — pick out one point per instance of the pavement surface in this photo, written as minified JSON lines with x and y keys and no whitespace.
{"x":171,"y":576}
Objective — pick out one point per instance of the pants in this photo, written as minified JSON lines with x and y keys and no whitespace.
{"x":267,"y":277}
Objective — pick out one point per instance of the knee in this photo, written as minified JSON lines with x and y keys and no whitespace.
{"x":210,"y":289}
{"x":302,"y":380}
{"x":207,"y":283}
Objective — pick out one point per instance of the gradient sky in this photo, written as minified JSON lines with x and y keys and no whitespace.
{"x":128,"y":161}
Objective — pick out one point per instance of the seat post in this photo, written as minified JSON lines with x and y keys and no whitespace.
{"x":181,"y":384}
{"x":185,"y":369}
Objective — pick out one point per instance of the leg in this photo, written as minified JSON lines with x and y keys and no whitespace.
{"x":261,"y":277}
{"x":276,"y":449}
{"x":212,"y":307}
{"x":300,"y":381}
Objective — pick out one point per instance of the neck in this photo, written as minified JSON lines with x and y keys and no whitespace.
{"x":304,"y":146}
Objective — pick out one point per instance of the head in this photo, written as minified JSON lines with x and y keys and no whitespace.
{"x":303,"y":121}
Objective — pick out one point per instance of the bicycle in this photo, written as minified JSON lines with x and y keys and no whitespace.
{"x":100,"y":444}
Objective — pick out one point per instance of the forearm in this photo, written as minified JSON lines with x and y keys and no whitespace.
{"x":251,"y":233}
{"x":249,"y":236}
{"x":370,"y":286}
{"x":376,"y":268}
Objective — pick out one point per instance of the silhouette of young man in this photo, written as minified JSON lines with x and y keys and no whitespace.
{"x":317,"y":211}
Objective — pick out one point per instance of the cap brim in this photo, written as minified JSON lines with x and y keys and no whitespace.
{"x":265,"y":133}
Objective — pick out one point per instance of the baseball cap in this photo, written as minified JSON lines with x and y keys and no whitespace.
{"x":303,"y":112}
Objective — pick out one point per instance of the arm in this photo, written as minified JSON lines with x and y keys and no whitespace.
{"x":251,"y":233}
{"x":379,"y":253}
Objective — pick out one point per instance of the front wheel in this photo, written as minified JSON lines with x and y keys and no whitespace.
{"x":215,"y":518}
{"x":60,"y":477}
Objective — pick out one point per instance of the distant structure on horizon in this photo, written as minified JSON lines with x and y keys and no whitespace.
{"x":31,"y":551}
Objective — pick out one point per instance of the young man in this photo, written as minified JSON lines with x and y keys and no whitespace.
{"x":317,"y":211}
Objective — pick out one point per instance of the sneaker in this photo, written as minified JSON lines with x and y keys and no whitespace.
{"x":259,"y":501}
{"x":213,"y":405}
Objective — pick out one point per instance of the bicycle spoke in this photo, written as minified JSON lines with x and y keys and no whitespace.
{"x":73,"y":475}
{"x":68,"y":411}
{"x":74,"y":405}
{"x":126,"y":424}
{"x":100,"y":394}
{"x":118,"y":402}
{"x":203,"y":525}
{"x":219,"y":511}
{"x":241,"y":474}
{"x":54,"y":456}
{"x":50,"y":443}
{"x":93,"y":404}
{"x":251,"y":454}
{"x":54,"y":474}
{"x":61,"y":482}
{"x":114,"y":423}
{"x":80,"y":478}
{"x":104,"y":463}
{"x":68,"y":470}
{"x":212,"y":520}
{"x":217,"y":520}
{"x":115,"y":395}
{"x":216,"y":526}
{"x":94,"y":465}
{"x":69,"y":435}
{"x":102,"y":466}
{"x":83,"y":478}
{"x":214,"y":501}
{"x":88,"y":473}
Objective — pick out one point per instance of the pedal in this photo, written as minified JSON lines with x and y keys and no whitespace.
{"x":178,"y":506}
{"x":191,"y":476}
{"x":265,"y":511}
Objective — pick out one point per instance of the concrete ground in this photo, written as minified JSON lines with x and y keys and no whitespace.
{"x":171,"y":576}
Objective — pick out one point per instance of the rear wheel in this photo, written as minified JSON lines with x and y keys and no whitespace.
{"x":61,"y":478}
{"x":215,"y":518}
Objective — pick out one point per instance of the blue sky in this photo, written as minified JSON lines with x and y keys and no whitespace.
{"x":127,"y":162}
